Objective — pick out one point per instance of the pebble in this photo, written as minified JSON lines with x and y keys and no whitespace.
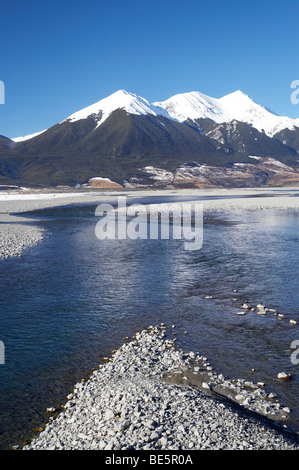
{"x":260,"y":306}
{"x":261,"y":311}
{"x":50,"y":410}
{"x":109,"y":415}
{"x":246,"y":306}
{"x":16,"y":238}
{"x":140,"y":410}
{"x":284,"y":376}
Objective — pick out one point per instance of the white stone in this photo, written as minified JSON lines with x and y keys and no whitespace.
{"x":50,"y":410}
{"x":109,"y":415}
{"x":283,"y":376}
{"x":261,"y":312}
{"x":246,"y":305}
{"x":205,"y":385}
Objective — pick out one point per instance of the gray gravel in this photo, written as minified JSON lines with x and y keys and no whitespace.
{"x":16,"y":237}
{"x":128,"y":403}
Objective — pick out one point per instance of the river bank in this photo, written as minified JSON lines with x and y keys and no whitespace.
{"x":129,"y":403}
{"x":18,"y":232}
{"x":13,"y":214}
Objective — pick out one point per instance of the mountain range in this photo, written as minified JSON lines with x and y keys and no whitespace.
{"x":189,"y":140}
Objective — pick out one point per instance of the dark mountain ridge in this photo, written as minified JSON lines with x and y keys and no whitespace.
{"x":121,"y":144}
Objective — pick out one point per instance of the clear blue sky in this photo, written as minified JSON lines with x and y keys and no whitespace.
{"x":57,"y":57}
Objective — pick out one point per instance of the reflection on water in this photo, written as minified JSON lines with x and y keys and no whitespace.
{"x":74,"y":297}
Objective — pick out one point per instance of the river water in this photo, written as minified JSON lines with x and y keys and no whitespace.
{"x":73,"y":298}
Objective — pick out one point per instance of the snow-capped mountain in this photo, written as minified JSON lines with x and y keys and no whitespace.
{"x":194,"y":105}
{"x":186,"y":106}
{"x":121,"y":99}
{"x":234,"y":106}
{"x":119,"y":136}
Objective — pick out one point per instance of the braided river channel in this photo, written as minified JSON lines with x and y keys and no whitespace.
{"x":73,"y":298}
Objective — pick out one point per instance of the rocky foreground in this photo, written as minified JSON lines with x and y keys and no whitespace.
{"x":129,"y":403}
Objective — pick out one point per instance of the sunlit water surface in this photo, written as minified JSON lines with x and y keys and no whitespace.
{"x":73,"y":298}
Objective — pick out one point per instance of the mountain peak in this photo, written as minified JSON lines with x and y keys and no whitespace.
{"x":121,"y":94}
{"x":191,"y":105}
{"x":238,"y":93}
{"x":121,"y":99}
{"x":233,"y":106}
{"x":184,"y":106}
{"x":238,"y":96}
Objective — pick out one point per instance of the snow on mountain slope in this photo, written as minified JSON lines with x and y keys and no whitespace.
{"x":234,"y":106}
{"x":27,"y":137}
{"x":121,"y":99}
{"x":194,"y":105}
{"x":244,"y":109}
{"x":180,"y":107}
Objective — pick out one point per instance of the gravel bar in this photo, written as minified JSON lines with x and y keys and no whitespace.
{"x":129,"y":404}
{"x":16,"y":234}
{"x":16,"y":237}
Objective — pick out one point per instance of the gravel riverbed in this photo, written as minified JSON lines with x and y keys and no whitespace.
{"x":149,"y":394}
{"x":17,"y":237}
{"x":132,"y":403}
{"x":18,"y":233}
